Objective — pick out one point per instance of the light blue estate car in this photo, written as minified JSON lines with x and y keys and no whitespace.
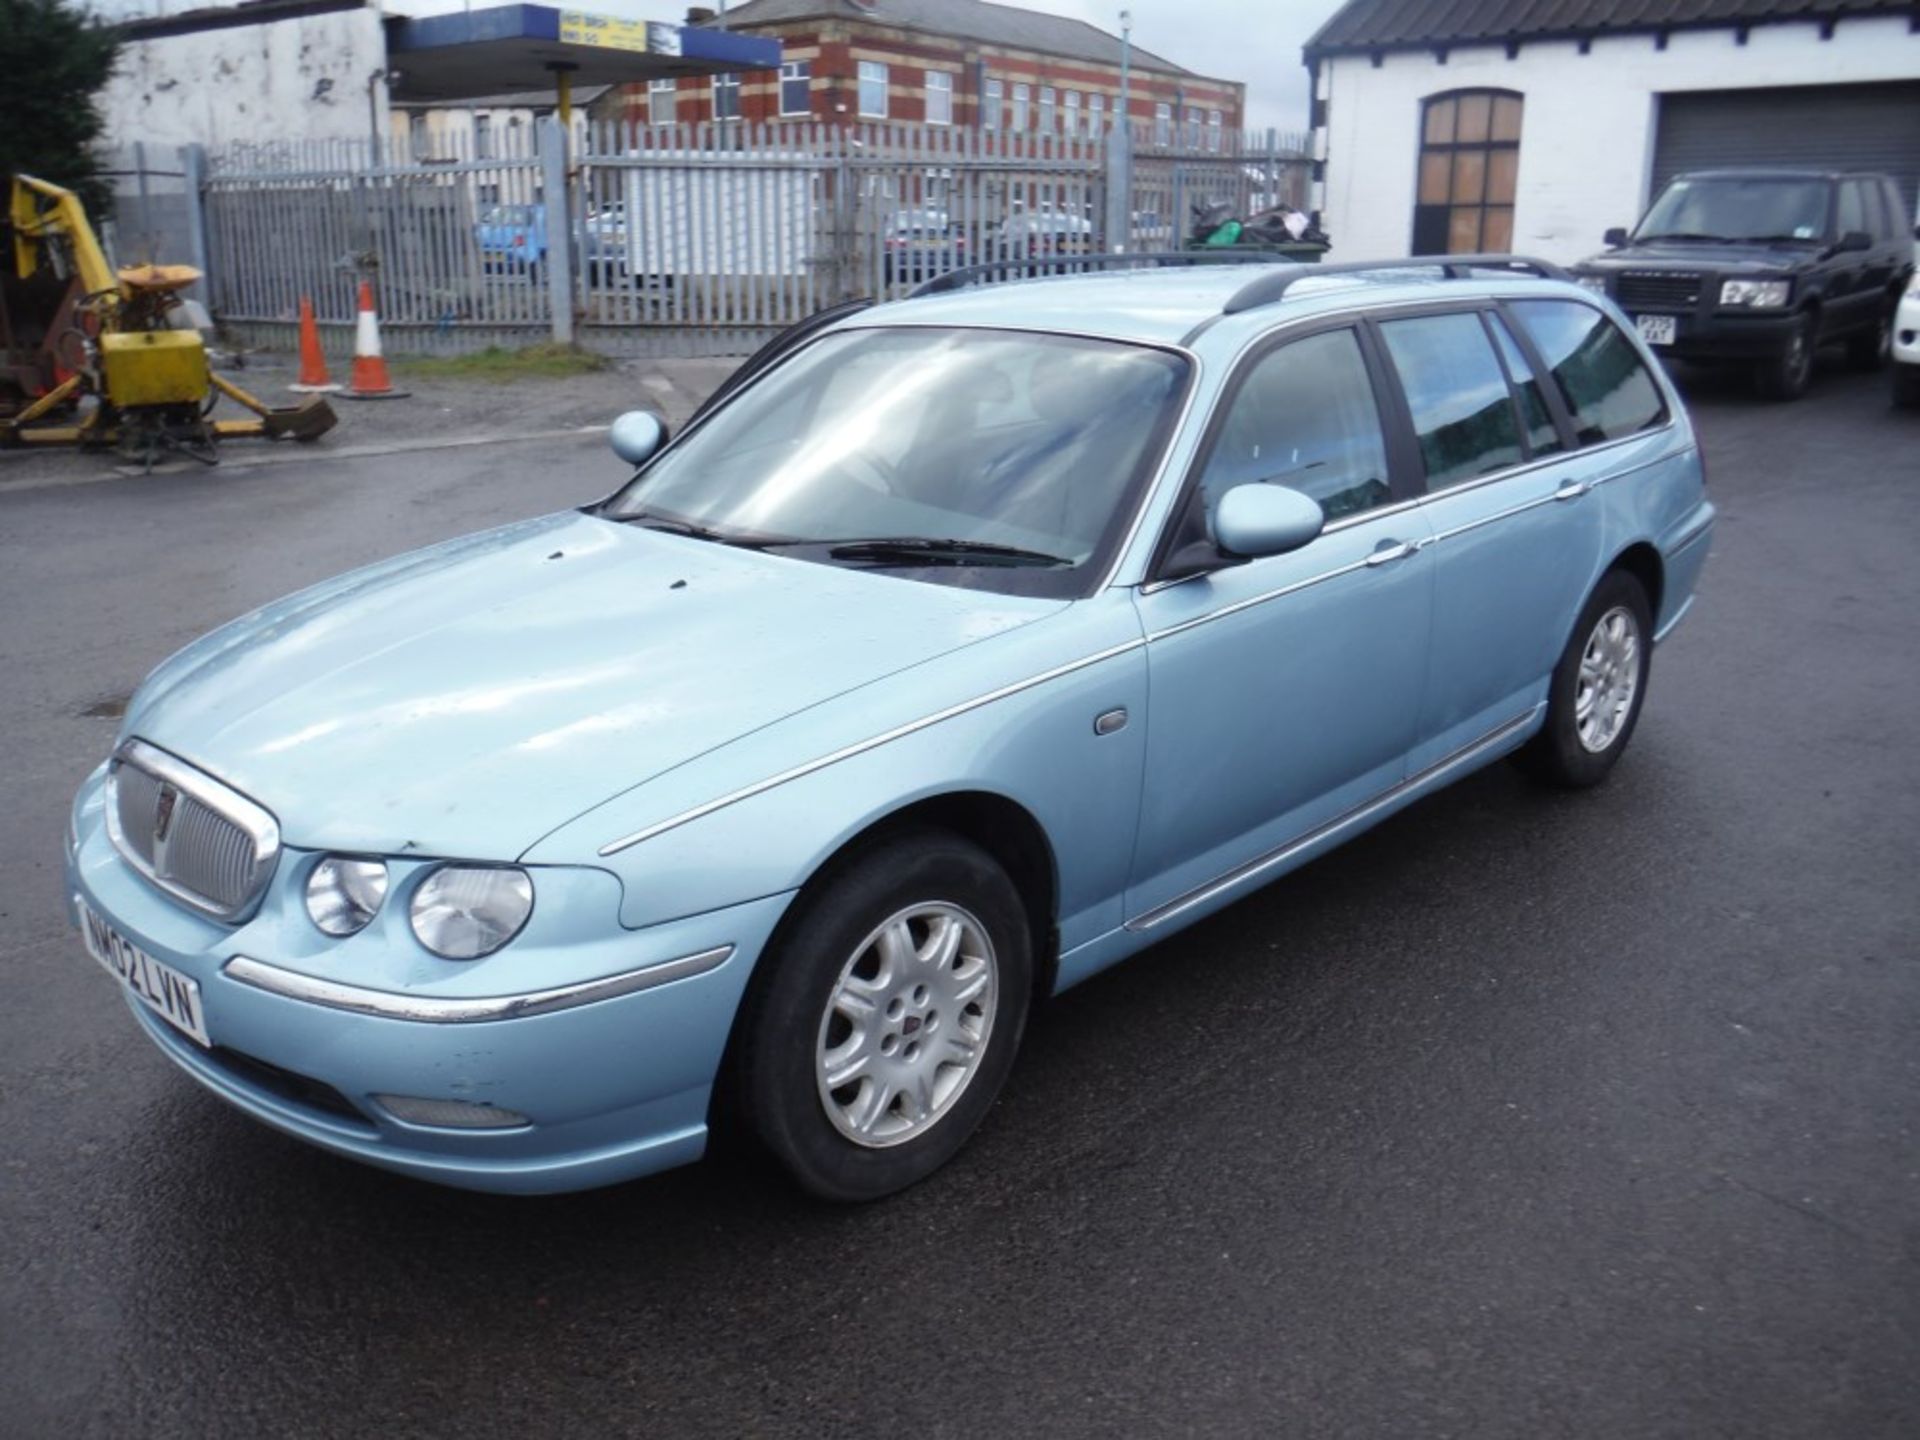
{"x":969,"y":645}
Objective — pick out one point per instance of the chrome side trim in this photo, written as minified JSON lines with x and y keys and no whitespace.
{"x":1674,"y":619}
{"x":1157,"y":586}
{"x":1691,"y":534}
{"x":1363,"y":563}
{"x":438,"y":1010}
{"x":734,"y":797}
{"x":1180,"y":904}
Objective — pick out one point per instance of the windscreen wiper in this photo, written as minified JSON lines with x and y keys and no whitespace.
{"x":908,"y":550}
{"x":1684,"y":235}
{"x":649,"y":521}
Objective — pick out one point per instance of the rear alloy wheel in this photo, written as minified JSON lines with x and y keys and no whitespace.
{"x":1787,"y":375}
{"x":1594,"y":699}
{"x":1869,"y":352}
{"x":887,"y":1016}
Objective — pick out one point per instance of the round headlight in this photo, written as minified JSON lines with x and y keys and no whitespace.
{"x":344,"y":894}
{"x":461,"y":912}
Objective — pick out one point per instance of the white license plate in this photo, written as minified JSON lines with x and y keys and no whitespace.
{"x":174,"y":997}
{"x":1656,"y":329}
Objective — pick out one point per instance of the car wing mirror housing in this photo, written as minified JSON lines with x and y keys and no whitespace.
{"x":1854,"y":240}
{"x":1615,"y":238}
{"x":1255,"y":520}
{"x":636,"y":437}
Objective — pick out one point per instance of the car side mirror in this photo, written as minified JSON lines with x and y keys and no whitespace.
{"x":1854,"y":240}
{"x":636,"y":437}
{"x":1615,"y":237}
{"x":1256,"y":520}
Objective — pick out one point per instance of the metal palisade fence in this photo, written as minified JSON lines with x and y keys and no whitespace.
{"x":688,"y":239}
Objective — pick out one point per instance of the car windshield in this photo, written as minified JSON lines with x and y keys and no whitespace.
{"x":1738,"y":208}
{"x":998,"y":460}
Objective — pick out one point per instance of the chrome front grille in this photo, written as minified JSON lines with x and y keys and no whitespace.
{"x":194,"y":837}
{"x":1658,"y":290}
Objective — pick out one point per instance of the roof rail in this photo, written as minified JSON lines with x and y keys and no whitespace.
{"x":1022,"y":268}
{"x":1269,"y":288}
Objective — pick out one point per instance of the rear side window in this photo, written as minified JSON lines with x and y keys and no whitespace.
{"x":1601,"y":378}
{"x":1462,"y":410}
{"x":1305,"y":417}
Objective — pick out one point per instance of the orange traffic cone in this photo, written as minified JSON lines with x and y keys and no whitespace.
{"x":370,"y":380}
{"x":313,"y":363}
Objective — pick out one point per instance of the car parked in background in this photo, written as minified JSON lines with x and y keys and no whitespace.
{"x":513,"y":238}
{"x":962,"y":648}
{"x":1043,"y":234}
{"x":1762,"y":268}
{"x":921,"y":243}
{"x":1906,"y":348}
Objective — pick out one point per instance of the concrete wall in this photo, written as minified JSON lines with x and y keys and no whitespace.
{"x":302,"y":79}
{"x":1587,"y":135}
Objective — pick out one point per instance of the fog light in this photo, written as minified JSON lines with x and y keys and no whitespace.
{"x":449,"y":1114}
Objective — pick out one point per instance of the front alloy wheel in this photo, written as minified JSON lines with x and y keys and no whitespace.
{"x":906,"y":1025}
{"x":884,"y":1018}
{"x":1788,"y":374}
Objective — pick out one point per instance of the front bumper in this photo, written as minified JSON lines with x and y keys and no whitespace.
{"x":615,"y":1083}
{"x":1718,"y":336}
{"x":1906,"y":330}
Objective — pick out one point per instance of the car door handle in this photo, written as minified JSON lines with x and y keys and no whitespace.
{"x":1571,"y":490}
{"x":1388,"y":551}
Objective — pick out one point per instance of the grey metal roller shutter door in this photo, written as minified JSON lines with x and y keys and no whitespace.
{"x":1825,"y":127}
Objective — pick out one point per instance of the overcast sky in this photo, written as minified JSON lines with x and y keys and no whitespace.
{"x":1255,"y":41}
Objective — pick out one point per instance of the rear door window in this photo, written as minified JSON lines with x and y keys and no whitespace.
{"x":1543,"y":436}
{"x":1463,"y":413}
{"x":1606,"y":387}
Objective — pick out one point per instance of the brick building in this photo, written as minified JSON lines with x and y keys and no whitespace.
{"x":945,"y":62}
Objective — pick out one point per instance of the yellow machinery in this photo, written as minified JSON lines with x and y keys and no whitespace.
{"x":72,"y":331}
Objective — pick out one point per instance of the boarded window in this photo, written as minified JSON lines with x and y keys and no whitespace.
{"x":1469,"y":172}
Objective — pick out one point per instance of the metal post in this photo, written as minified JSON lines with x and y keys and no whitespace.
{"x":1120,"y":150}
{"x":193,"y":171}
{"x":143,"y":237}
{"x":1119,"y":189}
{"x":553,"y":166}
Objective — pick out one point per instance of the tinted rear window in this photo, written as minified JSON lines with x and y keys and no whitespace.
{"x":1599,"y":373}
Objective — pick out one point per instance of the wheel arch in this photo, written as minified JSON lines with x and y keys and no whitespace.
{"x":1642,"y":561}
{"x":1004,"y":828}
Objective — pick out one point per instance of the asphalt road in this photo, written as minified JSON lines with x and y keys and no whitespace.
{"x":1524,"y":1115}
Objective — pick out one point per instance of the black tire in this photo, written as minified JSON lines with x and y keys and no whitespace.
{"x":788,"y":1019}
{"x":1558,"y":755}
{"x":1787,"y":375}
{"x":1869,"y":351}
{"x":1906,"y":386}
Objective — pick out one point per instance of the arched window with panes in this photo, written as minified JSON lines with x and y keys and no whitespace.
{"x":1469,"y":163}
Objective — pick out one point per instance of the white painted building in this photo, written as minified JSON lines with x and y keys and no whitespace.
{"x":1534,"y":125}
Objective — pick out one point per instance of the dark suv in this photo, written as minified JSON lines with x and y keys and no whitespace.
{"x":1763,"y":267}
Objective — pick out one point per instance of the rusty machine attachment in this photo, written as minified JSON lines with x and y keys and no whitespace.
{"x":72,"y":331}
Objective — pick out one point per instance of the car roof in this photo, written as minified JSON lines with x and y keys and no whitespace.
{"x":1165,"y":306}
